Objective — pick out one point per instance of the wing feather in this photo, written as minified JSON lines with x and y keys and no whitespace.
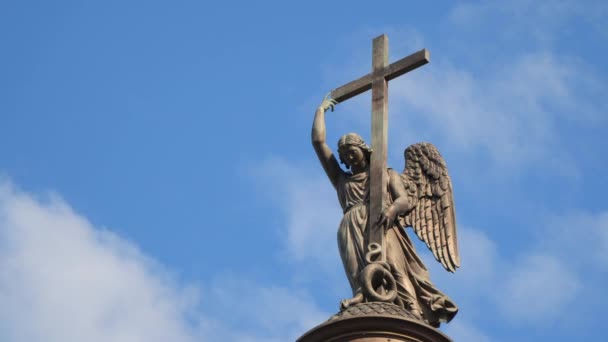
{"x":421,"y":224}
{"x":433,"y":217}
{"x":416,"y":223}
{"x":450,"y":225}
{"x":439,"y":235}
{"x":425,"y":224}
{"x":430,"y":228}
{"x":444,"y":237}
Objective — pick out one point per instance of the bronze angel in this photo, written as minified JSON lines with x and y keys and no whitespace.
{"x":420,"y":197}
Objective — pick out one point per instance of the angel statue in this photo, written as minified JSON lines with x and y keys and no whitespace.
{"x":420,"y":197}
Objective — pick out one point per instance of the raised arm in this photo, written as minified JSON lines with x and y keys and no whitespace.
{"x":318,"y":135}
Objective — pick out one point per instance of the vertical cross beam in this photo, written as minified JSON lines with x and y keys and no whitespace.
{"x":377,"y":81}
{"x":378,"y":174}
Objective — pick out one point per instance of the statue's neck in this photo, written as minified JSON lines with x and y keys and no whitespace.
{"x":357,"y":170}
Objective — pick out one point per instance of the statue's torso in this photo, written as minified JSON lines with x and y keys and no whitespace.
{"x":353,"y":190}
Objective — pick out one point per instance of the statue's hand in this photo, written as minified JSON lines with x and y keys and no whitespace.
{"x":386,"y":219}
{"x":328,"y":103}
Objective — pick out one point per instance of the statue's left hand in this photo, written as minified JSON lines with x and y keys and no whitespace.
{"x":386,"y":219}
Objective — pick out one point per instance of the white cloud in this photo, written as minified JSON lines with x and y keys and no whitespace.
{"x":310,"y":206}
{"x":268,"y":313}
{"x":488,"y":278}
{"x":63,"y":280}
{"x":505,"y":113}
{"x":510,"y":116}
{"x":538,"y":288}
{"x":485,"y":275}
{"x":540,"y":284}
{"x":522,"y":19}
{"x":582,"y":235}
{"x":482,"y":258}
{"x":462,"y":331}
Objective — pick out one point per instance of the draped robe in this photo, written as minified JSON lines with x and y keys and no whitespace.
{"x":413,"y":283}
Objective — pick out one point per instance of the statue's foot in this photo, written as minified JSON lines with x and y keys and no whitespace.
{"x":346,"y":303}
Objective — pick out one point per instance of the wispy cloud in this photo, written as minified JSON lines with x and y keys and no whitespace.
{"x":581,"y":235}
{"x":462,"y":331}
{"x":309,"y":215}
{"x":62,"y":279}
{"x":492,"y":281}
{"x":309,"y":205}
{"x":542,"y":279}
{"x":542,"y":21}
{"x":508,"y":112}
{"x":264,"y":312}
{"x":510,"y":116}
{"x":540,"y":284}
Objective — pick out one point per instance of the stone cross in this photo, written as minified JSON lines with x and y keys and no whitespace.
{"x":377,"y":81}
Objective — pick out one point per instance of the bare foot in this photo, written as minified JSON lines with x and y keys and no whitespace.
{"x":346,"y":303}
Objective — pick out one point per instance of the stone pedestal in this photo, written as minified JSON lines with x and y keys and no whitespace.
{"x":374,"y":322}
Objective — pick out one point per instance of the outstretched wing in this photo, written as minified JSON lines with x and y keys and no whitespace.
{"x":427,"y":182}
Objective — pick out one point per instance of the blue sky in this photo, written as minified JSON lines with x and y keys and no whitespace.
{"x":157,"y":180}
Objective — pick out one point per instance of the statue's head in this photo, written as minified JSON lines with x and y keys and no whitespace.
{"x":353,"y":150}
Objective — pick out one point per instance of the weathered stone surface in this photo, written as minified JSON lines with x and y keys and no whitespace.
{"x":373,"y":322}
{"x":374,"y":308}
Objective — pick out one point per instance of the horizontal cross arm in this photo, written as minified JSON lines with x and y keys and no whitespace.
{"x":407,"y":64}
{"x":392,"y":71}
{"x":352,"y":89}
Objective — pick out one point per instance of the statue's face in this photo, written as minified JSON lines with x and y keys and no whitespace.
{"x":353,"y":156}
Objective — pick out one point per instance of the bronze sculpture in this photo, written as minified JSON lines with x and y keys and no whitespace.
{"x":421,"y":198}
{"x":380,"y":261}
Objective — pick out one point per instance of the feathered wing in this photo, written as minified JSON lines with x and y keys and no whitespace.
{"x":428,"y":185}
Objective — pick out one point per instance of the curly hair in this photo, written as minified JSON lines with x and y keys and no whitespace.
{"x":353,"y":139}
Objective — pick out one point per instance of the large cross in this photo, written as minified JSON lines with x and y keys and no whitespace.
{"x":377,"y":81}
